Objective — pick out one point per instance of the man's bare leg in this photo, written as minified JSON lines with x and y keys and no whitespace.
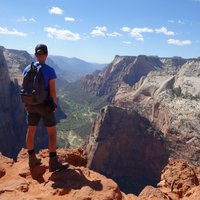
{"x":30,"y":135}
{"x":52,"y":138}
{"x":33,"y":160}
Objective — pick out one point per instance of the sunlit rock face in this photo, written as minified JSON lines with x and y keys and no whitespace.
{"x":77,"y":182}
{"x":128,"y":70}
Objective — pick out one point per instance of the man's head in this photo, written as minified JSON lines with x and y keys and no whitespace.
{"x":41,"y":49}
{"x":41,"y":52}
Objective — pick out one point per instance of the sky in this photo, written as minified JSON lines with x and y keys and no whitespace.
{"x":97,"y":30}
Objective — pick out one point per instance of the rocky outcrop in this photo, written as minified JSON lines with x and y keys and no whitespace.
{"x":75,"y":183}
{"x":125,"y":147}
{"x":179,"y":180}
{"x":170,"y":100}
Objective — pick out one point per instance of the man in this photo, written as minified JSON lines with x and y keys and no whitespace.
{"x":37,"y":112}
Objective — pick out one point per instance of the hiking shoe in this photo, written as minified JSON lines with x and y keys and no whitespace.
{"x":54,"y":164}
{"x":34,"y":161}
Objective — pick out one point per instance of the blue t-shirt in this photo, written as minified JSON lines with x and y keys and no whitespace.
{"x":48,"y":73}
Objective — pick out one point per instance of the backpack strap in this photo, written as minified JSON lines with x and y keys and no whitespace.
{"x":39,"y":67}
{"x":33,"y":66}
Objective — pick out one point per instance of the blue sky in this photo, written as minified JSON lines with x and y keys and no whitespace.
{"x":97,"y":30}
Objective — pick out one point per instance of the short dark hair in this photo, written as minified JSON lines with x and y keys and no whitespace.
{"x":41,"y":49}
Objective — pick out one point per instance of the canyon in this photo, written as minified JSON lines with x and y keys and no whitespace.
{"x":143,"y":145}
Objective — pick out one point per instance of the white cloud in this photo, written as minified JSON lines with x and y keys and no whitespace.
{"x":62,"y":34}
{"x":113,"y":34}
{"x":24,"y":19}
{"x":102,"y":31}
{"x":179,"y":42}
{"x":164,"y":31}
{"x":56,"y":10}
{"x":99,"y":31}
{"x":32,"y":20}
{"x":136,"y":33}
{"x":5,"y":31}
{"x":127,"y":42}
{"x":71,"y":19}
{"x":125,"y":29}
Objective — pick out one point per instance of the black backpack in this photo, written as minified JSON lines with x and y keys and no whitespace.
{"x":33,"y":90}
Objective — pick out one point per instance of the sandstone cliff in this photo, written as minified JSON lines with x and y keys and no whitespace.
{"x":124,"y":146}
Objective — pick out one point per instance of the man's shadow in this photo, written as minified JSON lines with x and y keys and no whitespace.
{"x":72,"y":179}
{"x":38,"y":172}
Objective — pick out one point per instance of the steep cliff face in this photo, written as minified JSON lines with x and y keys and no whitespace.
{"x":127,"y":69}
{"x":171,"y":102}
{"x":125,"y":147}
{"x":12,"y":124}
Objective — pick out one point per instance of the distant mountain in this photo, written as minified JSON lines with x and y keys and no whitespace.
{"x":128,"y":70}
{"x":75,"y":68}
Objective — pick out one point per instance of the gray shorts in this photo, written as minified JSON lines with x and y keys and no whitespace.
{"x":37,"y":112}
